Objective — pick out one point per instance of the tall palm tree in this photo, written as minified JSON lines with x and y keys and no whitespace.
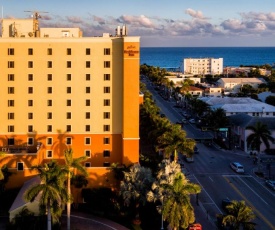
{"x":50,"y":191}
{"x":70,"y":165}
{"x":176,"y":207}
{"x":1,"y":173}
{"x":175,"y":139}
{"x":260,"y":133}
{"x":239,"y":215}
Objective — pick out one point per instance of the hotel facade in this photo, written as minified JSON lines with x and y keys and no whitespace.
{"x":60,"y":90}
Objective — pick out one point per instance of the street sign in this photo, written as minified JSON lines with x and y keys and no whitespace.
{"x":223,"y":129}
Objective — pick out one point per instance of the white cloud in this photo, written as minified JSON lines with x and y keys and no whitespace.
{"x":195,"y":14}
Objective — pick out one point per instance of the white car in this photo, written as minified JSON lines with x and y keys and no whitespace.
{"x":237,"y":167}
{"x":192,"y":121}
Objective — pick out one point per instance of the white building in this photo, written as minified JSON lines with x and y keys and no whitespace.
{"x":203,"y":66}
{"x":237,"y":105}
{"x":235,"y":84}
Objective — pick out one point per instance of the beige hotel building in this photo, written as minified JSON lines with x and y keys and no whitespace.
{"x":60,"y":90}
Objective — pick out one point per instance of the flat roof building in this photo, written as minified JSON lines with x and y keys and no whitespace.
{"x":60,"y":90}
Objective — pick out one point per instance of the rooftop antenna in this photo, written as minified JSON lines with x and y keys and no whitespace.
{"x":36,"y":15}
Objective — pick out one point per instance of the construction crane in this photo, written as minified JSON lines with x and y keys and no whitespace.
{"x":36,"y":15}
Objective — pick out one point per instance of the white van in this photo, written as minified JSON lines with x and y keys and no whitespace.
{"x":237,"y":167}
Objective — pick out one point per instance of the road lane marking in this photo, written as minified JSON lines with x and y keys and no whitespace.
{"x":211,"y":179}
{"x":253,"y":207}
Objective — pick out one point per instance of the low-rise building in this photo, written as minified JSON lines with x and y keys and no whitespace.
{"x":237,"y":105}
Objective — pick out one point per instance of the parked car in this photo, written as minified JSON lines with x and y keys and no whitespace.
{"x":237,"y":167}
{"x":162,"y":115}
{"x":196,"y":150}
{"x":189,"y":159}
{"x":270,"y":184}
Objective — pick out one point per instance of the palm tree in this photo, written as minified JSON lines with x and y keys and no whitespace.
{"x":70,"y":165}
{"x":239,"y":215}
{"x":1,"y":173}
{"x":260,"y":133}
{"x":174,"y":139}
{"x":174,"y":194}
{"x":50,"y":191}
{"x":135,"y":185}
{"x":79,"y":181}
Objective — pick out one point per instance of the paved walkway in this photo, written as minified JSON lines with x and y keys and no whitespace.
{"x":83,"y":221}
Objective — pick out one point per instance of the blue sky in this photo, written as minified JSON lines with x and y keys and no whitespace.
{"x":160,"y":23}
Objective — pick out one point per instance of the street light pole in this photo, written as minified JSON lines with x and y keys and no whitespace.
{"x":161,"y":222}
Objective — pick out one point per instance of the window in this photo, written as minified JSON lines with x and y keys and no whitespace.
{"x":49,"y":51}
{"x":88,"y":90}
{"x":106,"y":164}
{"x":10,"y":77}
{"x":88,"y":77}
{"x":30,"y":141}
{"x":88,"y":64}
{"x":30,"y":51}
{"x":49,"y":90}
{"x":106,"y":128}
{"x":69,"y":64}
{"x":49,"y":102}
{"x":10,"y":51}
{"x":68,"y":128}
{"x":10,"y":116}
{"x":10,"y":103}
{"x":20,"y":166}
{"x":11,"y":64}
{"x":49,"y":115}
{"x":69,"y":77}
{"x":106,"y":140}
{"x":49,"y":153}
{"x":88,"y":153}
{"x":68,"y":140}
{"x":10,"y":128}
{"x":50,"y":64}
{"x":87,"y":128}
{"x":106,"y":153}
{"x":107,"y":90}
{"x":30,"y":116}
{"x":106,"y":115}
{"x":49,"y":128}
{"x":49,"y":140}
{"x":50,"y":77}
{"x":30,"y":64}
{"x":69,"y":51}
{"x":88,"y":102}
{"x":30,"y":128}
{"x":10,"y":141}
{"x":10,"y":90}
{"x":87,"y":115}
{"x":107,"y":51}
{"x":87,"y":164}
{"x":69,"y":90}
{"x":107,"y":102}
{"x":30,"y":102}
{"x":107,"y":64}
{"x":107,"y":77}
{"x":69,"y":115}
{"x":30,"y":90}
{"x":69,"y":102}
{"x":30,"y":77}
{"x":88,"y":51}
{"x":87,"y":140}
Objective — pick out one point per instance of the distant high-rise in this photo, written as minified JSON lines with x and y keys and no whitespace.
{"x":60,"y":90}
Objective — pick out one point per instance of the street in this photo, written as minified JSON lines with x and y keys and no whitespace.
{"x":211,"y":170}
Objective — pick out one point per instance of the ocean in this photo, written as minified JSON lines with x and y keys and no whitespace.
{"x":172,"y":57}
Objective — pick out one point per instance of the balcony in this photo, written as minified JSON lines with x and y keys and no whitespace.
{"x":21,"y":149}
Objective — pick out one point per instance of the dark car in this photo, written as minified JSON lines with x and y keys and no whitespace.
{"x":270,"y":184}
{"x":196,"y":150}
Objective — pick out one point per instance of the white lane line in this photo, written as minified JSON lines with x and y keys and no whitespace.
{"x":211,"y":179}
{"x":253,"y":191}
